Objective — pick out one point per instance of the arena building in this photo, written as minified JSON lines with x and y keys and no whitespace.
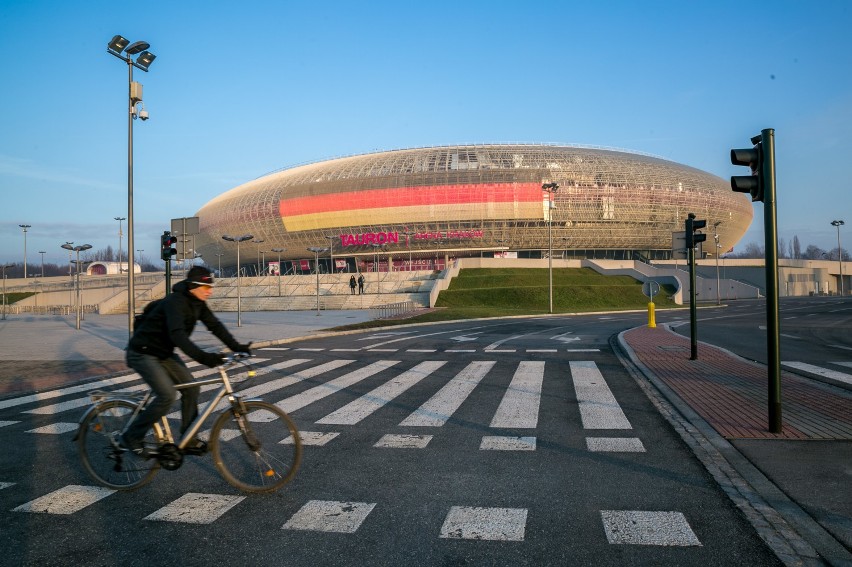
{"x":417,"y":207}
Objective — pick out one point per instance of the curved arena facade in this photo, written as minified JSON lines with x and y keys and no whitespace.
{"x":476,"y":200}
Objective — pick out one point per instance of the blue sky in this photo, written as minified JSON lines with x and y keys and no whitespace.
{"x":240,"y":89}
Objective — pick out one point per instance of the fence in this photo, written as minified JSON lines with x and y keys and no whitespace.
{"x":393,"y":309}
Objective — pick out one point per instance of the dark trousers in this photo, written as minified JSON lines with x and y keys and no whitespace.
{"x":161,"y":375}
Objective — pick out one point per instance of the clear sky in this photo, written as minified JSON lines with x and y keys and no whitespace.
{"x":240,"y":89}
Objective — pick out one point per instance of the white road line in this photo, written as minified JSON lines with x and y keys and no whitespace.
{"x":426,"y":350}
{"x":598,"y":407}
{"x":494,"y":524}
{"x":55,"y":428}
{"x":582,"y":350}
{"x":437,"y":410}
{"x":316,"y":393}
{"x":345,"y":350}
{"x":519,"y":407}
{"x":494,"y":345}
{"x":195,"y":508}
{"x":86,"y":400}
{"x":841,"y":346}
{"x":329,"y":516}
{"x":66,"y":500}
{"x":503,"y":443}
{"x":848,"y":364}
{"x":355,"y":411}
{"x":65,"y":391}
{"x":635,"y":527}
{"x":819,"y":371}
{"x":460,"y":350}
{"x":403,"y":441}
{"x":615,"y":444}
{"x":542,"y":350}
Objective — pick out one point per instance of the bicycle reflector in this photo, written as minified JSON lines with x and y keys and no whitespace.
{"x":252,"y":373}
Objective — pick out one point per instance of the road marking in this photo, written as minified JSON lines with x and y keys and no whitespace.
{"x":582,"y":350}
{"x":494,"y":345}
{"x":355,"y":411}
{"x":317,"y":393}
{"x":542,"y":350}
{"x":6,"y":485}
{"x":314,"y":438}
{"x":598,"y":407}
{"x":66,"y":500}
{"x":849,"y":364}
{"x":841,"y":346}
{"x":494,"y":524}
{"x":70,"y":390}
{"x":55,"y":428}
{"x":382,"y":349}
{"x":633,"y":527}
{"x":196,"y":508}
{"x":274,"y":348}
{"x":437,"y":410}
{"x":615,"y":445}
{"x":460,"y":350}
{"x":329,"y":516}
{"x":309,"y":349}
{"x":403,"y":441}
{"x":819,"y":371}
{"x":346,"y":350}
{"x":503,"y":443}
{"x":5,"y":423}
{"x":424,"y":350}
{"x":519,"y":406}
{"x":500,"y":350}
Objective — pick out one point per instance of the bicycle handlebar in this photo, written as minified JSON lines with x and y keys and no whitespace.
{"x":234,"y":358}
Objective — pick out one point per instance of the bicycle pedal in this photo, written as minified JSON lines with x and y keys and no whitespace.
{"x":198,"y":449}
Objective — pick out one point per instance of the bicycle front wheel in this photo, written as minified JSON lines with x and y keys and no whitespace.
{"x":97,"y":442}
{"x":256,"y":446}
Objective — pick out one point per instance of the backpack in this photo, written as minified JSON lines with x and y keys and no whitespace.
{"x":141,"y":317}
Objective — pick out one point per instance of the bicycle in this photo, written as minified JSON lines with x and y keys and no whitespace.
{"x":247,"y":439}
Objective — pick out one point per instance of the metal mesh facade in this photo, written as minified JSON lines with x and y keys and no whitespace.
{"x":467,"y":200}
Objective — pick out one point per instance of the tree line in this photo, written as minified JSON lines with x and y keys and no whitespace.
{"x":791,"y":250}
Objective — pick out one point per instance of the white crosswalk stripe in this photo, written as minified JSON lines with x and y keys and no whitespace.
{"x":195,"y":508}
{"x":438,"y":409}
{"x":519,"y":408}
{"x":598,"y":407}
{"x":66,"y":500}
{"x":364,"y":406}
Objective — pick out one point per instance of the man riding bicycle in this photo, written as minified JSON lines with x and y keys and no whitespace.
{"x":151,"y":353}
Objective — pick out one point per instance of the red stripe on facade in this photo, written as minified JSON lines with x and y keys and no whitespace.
{"x":479,"y":193}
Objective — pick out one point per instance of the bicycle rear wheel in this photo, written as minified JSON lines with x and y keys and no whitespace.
{"x":256,"y":446}
{"x":97,"y":442}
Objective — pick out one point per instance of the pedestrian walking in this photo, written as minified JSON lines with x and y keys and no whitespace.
{"x":352,"y":283}
{"x":360,"y":284}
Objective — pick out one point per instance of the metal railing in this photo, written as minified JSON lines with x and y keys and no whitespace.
{"x":393,"y":309}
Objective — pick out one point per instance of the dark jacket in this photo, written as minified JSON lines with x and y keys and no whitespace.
{"x":171,"y":323}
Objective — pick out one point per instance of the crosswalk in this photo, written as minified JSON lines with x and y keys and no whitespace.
{"x":446,"y":389}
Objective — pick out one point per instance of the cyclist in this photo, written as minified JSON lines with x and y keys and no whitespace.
{"x":151,"y":353}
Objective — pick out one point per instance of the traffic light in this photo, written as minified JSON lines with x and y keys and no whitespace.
{"x":166,"y":241}
{"x":753,"y":158}
{"x":691,"y":226}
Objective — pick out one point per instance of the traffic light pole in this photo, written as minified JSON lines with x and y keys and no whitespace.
{"x":168,"y":276}
{"x":693,"y":311}
{"x":773,"y":328}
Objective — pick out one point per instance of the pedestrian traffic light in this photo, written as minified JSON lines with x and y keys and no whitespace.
{"x":691,"y":226}
{"x":753,"y":158}
{"x":166,"y":241}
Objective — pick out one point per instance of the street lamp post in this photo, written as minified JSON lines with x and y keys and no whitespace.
{"x":42,"y":252}
{"x":837,"y":224}
{"x":376,"y":248}
{"x":24,"y":227}
{"x":258,"y":242}
{"x":551,"y":188}
{"x":279,"y":251}
{"x":408,"y":236}
{"x":4,"y":266}
{"x":79,"y":309}
{"x":120,"y":234}
{"x":317,"y":250}
{"x":238,"y":239}
{"x":116,"y":46}
{"x":330,"y":239}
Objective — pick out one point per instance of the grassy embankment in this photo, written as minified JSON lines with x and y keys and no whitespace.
{"x":502,"y":292}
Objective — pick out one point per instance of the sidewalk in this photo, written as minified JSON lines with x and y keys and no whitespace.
{"x":794,"y":486}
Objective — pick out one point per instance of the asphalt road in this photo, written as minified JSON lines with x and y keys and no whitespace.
{"x":514,"y":442}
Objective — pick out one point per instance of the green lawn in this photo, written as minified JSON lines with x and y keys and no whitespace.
{"x":483,"y":292}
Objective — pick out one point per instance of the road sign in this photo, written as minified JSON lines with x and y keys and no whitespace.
{"x":651,"y":288}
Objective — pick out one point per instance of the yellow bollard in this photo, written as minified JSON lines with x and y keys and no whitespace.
{"x":652,"y":322}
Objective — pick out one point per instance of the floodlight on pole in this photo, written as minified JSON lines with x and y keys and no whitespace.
{"x":279,"y":251}
{"x":79,"y":304}
{"x":42,"y":252}
{"x":551,"y":189}
{"x":143,"y":59}
{"x":238,"y":239}
{"x":837,"y":224}
{"x":317,"y":251}
{"x":718,"y":246}
{"x":24,"y":227}
{"x":120,"y":234}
